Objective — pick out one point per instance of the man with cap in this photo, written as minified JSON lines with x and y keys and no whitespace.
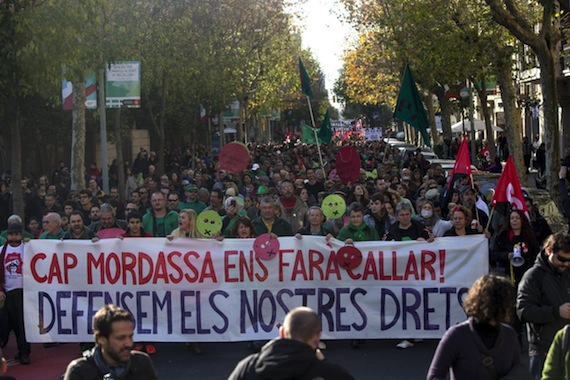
{"x":192,"y":202}
{"x":12,"y":290}
{"x":469,"y":200}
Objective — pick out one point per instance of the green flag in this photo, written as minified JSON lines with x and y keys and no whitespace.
{"x":410,"y":108}
{"x":305,"y":80}
{"x":308,"y":135}
{"x":325,"y":132}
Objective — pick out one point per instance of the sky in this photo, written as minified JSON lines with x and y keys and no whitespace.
{"x":326,"y":36}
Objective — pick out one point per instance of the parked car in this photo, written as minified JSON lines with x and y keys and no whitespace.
{"x":428,"y":153}
{"x":448,"y":165}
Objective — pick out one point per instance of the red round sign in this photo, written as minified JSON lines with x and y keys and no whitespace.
{"x":347,"y":165}
{"x":234,"y":157}
{"x":349,"y":257}
{"x":266,"y":247}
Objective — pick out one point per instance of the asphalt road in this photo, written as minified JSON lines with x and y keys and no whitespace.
{"x":375,"y":359}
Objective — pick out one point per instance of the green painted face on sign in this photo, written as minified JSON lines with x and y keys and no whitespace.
{"x":209,"y":223}
{"x":334,"y":206}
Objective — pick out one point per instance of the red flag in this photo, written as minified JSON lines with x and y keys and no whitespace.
{"x":300,"y":162}
{"x":508,"y":189}
{"x":461,"y":169}
{"x":462,"y":163}
{"x":485,"y":152}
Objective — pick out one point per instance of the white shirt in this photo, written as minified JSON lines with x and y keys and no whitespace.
{"x":13,"y":265}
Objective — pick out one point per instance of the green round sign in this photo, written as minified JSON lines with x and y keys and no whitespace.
{"x":209,"y":223}
{"x":334,"y":206}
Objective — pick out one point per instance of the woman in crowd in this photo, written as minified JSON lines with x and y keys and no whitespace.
{"x":250,"y":206}
{"x":187,"y":228}
{"x":247,"y":186}
{"x":515,"y":235}
{"x":428,"y":217}
{"x":461,"y":218}
{"x":358,"y":193}
{"x":176,"y":182}
{"x":483,"y":347}
{"x":389,"y":206}
{"x":243,"y":229}
{"x":304,"y":195}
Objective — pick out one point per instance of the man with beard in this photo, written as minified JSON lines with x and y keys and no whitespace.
{"x":77,"y":229}
{"x":107,"y":220}
{"x":293,"y":209}
{"x":543,"y":299}
{"x":159,"y":220}
{"x":469,"y":200}
{"x":12,"y":291}
{"x":112,"y":357}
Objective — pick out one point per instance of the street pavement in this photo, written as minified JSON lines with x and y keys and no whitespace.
{"x":375,"y":359}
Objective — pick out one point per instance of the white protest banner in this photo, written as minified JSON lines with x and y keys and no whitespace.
{"x":205,"y":290}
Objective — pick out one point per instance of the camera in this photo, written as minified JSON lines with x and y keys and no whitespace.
{"x":565,"y":161}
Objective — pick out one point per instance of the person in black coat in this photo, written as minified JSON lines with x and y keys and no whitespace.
{"x":294,"y":355}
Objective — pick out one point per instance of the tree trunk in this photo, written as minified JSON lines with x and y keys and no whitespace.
{"x":482,"y":94}
{"x":512,"y":116}
{"x":16,"y":141}
{"x":162,"y":126}
{"x":543,"y":43}
{"x":78,"y":136}
{"x":221,"y":129}
{"x":551,"y":123}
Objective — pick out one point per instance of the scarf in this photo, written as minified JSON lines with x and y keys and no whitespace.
{"x":359,"y":232}
{"x":116,"y":372}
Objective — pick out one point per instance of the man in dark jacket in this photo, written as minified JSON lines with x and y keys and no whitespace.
{"x":294,"y":355}
{"x":267,"y":222}
{"x":112,"y":357}
{"x":543,"y":299}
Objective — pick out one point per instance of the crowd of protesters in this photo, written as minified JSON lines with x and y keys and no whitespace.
{"x":280,"y":192}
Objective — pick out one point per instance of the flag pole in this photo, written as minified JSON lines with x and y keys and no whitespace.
{"x":316,"y":137}
{"x":476,"y":195}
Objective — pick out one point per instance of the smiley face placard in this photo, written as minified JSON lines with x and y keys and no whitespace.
{"x":209,"y":223}
{"x":334,"y":206}
{"x":349,"y":257}
{"x":266,"y":247}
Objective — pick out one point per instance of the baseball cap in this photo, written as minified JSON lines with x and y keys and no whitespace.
{"x":14,"y":228}
{"x":191,"y":187}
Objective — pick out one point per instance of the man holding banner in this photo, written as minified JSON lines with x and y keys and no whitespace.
{"x":12,"y":290}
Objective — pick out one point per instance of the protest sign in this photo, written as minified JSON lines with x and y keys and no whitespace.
{"x":211,"y":291}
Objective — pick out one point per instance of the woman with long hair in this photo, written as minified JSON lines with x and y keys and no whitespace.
{"x":515,"y":238}
{"x":187,"y":228}
{"x":516,"y":235}
{"x":484,"y":346}
{"x":358,"y":193}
